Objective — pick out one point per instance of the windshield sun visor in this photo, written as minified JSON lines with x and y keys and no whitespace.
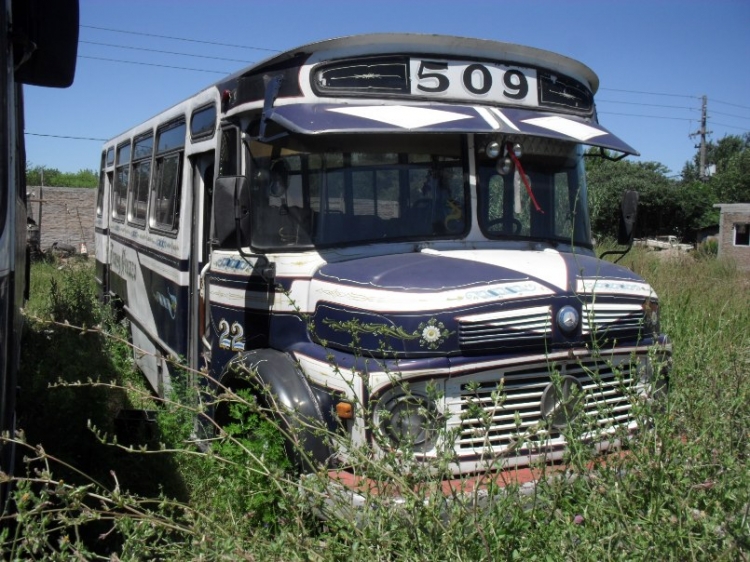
{"x":435,"y":118}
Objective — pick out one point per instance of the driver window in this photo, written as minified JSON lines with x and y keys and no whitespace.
{"x":280,"y":216}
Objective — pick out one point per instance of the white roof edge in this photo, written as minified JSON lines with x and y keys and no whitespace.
{"x":385,"y":43}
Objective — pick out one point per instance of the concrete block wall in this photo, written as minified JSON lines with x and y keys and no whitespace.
{"x":731,"y":214}
{"x":67,"y":215}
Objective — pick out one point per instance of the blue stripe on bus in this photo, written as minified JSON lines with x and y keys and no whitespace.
{"x":182,"y":265}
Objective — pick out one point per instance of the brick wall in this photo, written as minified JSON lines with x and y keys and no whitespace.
{"x":732,"y":214}
{"x":67,"y":215}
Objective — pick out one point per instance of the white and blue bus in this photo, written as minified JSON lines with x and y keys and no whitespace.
{"x":39,"y":47}
{"x":363,"y":220}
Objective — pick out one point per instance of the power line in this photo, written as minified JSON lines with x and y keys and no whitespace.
{"x":234,"y":46}
{"x":732,"y":104}
{"x":730,"y":126}
{"x":64,"y":137}
{"x":729,"y":114}
{"x":648,"y":116}
{"x":652,"y":93}
{"x":649,"y":104}
{"x":164,"y":52}
{"x":266,"y":49}
{"x":154,"y":64}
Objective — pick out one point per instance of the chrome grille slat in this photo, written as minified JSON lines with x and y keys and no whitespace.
{"x":611,"y":318}
{"x":500,"y":327}
{"x":503,"y":423}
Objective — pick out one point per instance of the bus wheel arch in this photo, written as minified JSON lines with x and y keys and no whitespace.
{"x":280,"y":387}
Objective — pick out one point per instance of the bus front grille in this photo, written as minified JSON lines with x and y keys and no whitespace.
{"x":501,"y":412}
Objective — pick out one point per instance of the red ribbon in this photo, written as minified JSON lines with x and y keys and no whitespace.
{"x":517,"y":162}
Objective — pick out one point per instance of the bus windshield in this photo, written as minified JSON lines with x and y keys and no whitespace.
{"x":540,"y":194}
{"x":332,"y":192}
{"x":318,"y":191}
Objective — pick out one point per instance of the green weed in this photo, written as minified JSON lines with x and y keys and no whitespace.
{"x":680,"y":490}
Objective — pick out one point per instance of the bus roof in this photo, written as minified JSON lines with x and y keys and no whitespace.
{"x":429,"y":44}
{"x":328,"y":116}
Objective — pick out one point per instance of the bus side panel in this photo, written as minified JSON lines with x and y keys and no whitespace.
{"x":168,"y":304}
{"x":101,"y":238}
{"x":155,"y":297}
{"x":8,"y":368}
{"x":239,"y":311}
{"x":121,"y":270}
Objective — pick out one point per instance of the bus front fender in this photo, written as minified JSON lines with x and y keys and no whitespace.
{"x":281,"y":386}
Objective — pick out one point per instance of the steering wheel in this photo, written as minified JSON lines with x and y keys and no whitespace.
{"x":517,"y":226}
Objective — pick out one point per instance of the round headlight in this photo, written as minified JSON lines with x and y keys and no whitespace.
{"x":410,"y":421}
{"x":567,"y":319}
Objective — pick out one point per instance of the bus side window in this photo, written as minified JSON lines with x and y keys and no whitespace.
{"x":100,"y":189}
{"x":141,"y":174}
{"x":166,"y":191}
{"x":122,"y":177}
{"x":166,"y":194}
{"x":229,"y":155}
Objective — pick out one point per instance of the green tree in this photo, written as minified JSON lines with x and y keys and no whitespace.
{"x":731,"y":179}
{"x":695,"y":208}
{"x":729,"y":162}
{"x":39,"y":175}
{"x":607,"y":181}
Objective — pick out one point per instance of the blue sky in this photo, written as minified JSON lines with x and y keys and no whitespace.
{"x":655,"y":59}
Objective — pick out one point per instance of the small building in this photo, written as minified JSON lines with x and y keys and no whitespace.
{"x":734,"y":233}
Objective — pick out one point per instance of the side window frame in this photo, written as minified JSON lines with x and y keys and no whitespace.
{"x":100,"y":188}
{"x":121,"y":182}
{"x":166,"y":187}
{"x":200,"y":134}
{"x":229,"y":152}
{"x":140,"y":179}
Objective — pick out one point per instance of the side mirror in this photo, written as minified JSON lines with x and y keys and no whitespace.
{"x":231,"y":210}
{"x":45,"y":41}
{"x":628,"y":216}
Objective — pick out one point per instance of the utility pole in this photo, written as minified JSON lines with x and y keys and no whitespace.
{"x":39,"y":222}
{"x":702,"y":133}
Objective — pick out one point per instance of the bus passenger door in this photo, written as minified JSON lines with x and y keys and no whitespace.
{"x":101,"y":234}
{"x":202,"y":186}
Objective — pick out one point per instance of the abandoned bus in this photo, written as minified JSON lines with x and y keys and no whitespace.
{"x":388,"y":231}
{"x":39,"y":47}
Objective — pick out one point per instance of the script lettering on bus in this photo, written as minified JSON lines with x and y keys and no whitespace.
{"x":123,"y":266}
{"x":231,"y":264}
{"x":168,"y":302}
{"x":504,"y":291}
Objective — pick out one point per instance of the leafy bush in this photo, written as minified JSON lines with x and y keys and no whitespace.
{"x":707,"y":250}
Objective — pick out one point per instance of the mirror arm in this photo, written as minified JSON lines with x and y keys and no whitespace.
{"x":620,"y":253}
{"x":273,"y":85}
{"x":605,"y":154}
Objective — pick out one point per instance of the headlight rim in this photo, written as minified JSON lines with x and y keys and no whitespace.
{"x":427,"y":408}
